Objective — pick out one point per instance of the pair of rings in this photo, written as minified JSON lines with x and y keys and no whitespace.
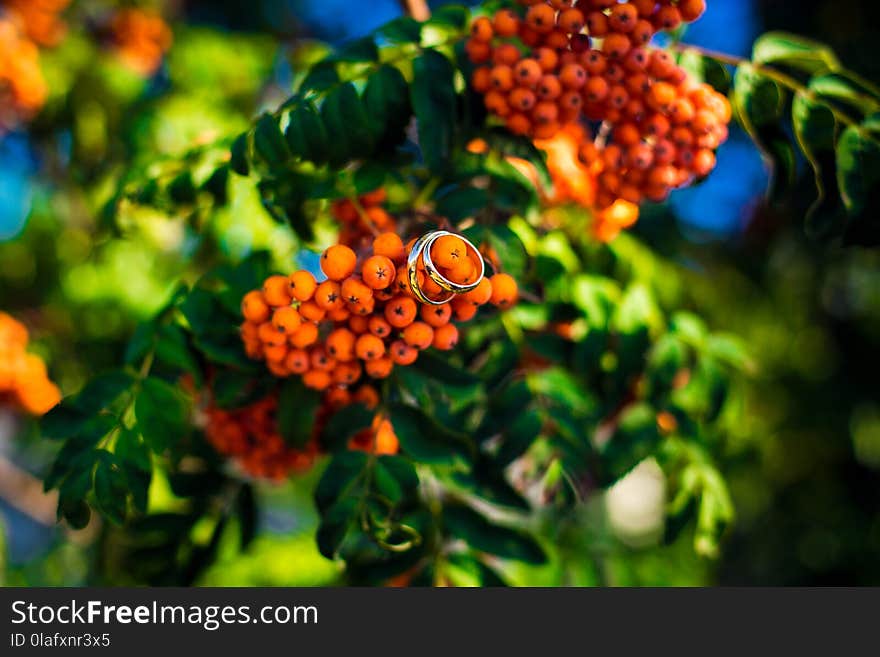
{"x":421,"y":250}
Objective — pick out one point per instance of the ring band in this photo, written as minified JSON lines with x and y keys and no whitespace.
{"x":412,"y":270}
{"x":422,"y":249}
{"x":441,"y":280}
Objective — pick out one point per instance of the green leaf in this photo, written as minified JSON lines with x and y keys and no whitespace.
{"x":842,"y":89}
{"x":434,"y":102}
{"x":636,"y":438}
{"x":173,"y":349}
{"x":102,"y":391}
{"x":797,"y":52}
{"x":162,"y":413}
{"x":297,"y":409}
{"x":111,"y":489}
{"x":510,"y":249}
{"x":358,"y":50}
{"x":404,"y":29}
{"x":386,"y":101}
{"x":62,"y":422}
{"x":238,"y":160}
{"x":320,"y":77}
{"x":75,"y":512}
{"x":518,"y":436}
{"x":858,"y":169}
{"x":460,"y":202}
{"x":426,"y":440}
{"x":269,"y":142}
{"x":334,"y":526}
{"x":760,"y":102}
{"x":342,"y":471}
{"x":438,"y":368}
{"x":455,"y":16}
{"x":344,"y":423}
{"x":306,"y":135}
{"x":480,"y":534}
{"x":346,"y":120}
{"x":815,"y":129}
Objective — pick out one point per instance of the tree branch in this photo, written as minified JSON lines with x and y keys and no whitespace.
{"x":418,"y":9}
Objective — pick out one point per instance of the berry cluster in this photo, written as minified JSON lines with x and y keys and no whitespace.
{"x":364,"y":317}
{"x":250,"y":436}
{"x":24,"y":382}
{"x":590,"y":60}
{"x":140,"y":38}
{"x":24,"y":25}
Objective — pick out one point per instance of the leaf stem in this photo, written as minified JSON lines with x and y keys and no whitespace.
{"x":787,"y":81}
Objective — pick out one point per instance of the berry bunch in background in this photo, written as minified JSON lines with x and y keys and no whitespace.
{"x":24,"y":383}
{"x":648,"y":127}
{"x":250,"y":436}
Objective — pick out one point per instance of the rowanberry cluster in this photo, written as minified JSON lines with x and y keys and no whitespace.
{"x":24,"y":383}
{"x":251,"y":437}
{"x":23,"y":89}
{"x":362,"y":218}
{"x":590,"y":61}
{"x":364,"y":317}
{"x":140,"y":38}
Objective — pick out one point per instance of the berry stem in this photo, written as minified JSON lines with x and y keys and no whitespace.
{"x":417,"y":9}
{"x":363,"y":214}
{"x":788,"y":81}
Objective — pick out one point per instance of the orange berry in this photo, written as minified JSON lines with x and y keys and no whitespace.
{"x":502,"y":78}
{"x":418,"y":335}
{"x":301,"y":285}
{"x":435,"y":316}
{"x":347,"y":373}
{"x":504,"y":290}
{"x":368,"y":396}
{"x":340,"y":314}
{"x":379,"y":217}
{"x":389,"y":245}
{"x":379,"y":368}
{"x":340,"y":344}
{"x":311,"y":311}
{"x":401,"y":311}
{"x":480,"y":294}
{"x":462,"y":309}
{"x":481,"y":29}
{"x":541,"y":18}
{"x":445,"y":337}
{"x":275,"y":353}
{"x":359,"y":324}
{"x":305,"y":336}
{"x":270,"y":335}
{"x":278,"y":368}
{"x":338,"y":262}
{"x":275,"y":291}
{"x":297,"y":361}
{"x":505,"y":23}
{"x":328,"y":295}
{"x":376,"y":197}
{"x":319,"y":359}
{"x":379,"y":326}
{"x":355,"y":292}
{"x":571,"y":20}
{"x":462,"y":273}
{"x":369,"y":347}
{"x":286,"y":319}
{"x":254,"y":307}
{"x":527,"y":72}
{"x":448,"y":251}
{"x":402,"y":353}
{"x":317,"y":379}
{"x":378,"y":272}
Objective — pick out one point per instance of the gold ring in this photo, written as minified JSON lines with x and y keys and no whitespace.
{"x":437,"y":277}
{"x":412,"y":270}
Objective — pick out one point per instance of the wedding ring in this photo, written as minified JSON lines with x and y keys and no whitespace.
{"x":412,"y":271}
{"x":437,"y":277}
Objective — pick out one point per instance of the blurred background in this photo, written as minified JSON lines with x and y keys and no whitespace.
{"x":88,"y":89}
